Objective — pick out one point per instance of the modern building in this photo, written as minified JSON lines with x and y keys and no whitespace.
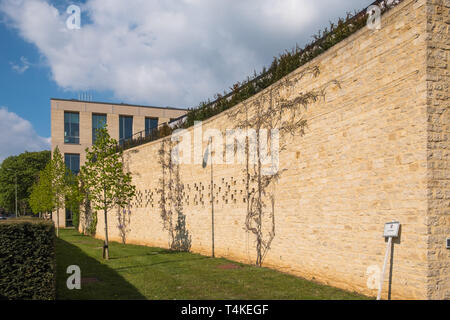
{"x":74,"y":123}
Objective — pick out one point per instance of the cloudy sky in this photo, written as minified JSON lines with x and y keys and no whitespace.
{"x":152,"y":52}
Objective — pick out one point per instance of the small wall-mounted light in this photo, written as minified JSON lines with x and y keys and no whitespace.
{"x":448,"y":243}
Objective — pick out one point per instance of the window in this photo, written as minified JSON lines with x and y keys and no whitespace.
{"x":71,"y":127}
{"x":98,"y":122}
{"x":125,"y":127}
{"x":69,"y":218}
{"x":72,"y":162}
{"x":150,"y":125}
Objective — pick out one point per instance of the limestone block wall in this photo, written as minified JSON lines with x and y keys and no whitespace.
{"x":375,"y":150}
{"x":438,"y":148}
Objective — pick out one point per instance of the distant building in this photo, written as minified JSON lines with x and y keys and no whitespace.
{"x":74,"y":122}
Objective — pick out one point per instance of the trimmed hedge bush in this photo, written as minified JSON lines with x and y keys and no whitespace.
{"x":27,"y":259}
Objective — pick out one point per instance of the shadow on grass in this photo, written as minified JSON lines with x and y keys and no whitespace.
{"x":107,"y":284}
{"x":162,"y":262}
{"x":152,"y":253}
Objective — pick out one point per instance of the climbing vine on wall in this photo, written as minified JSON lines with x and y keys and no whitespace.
{"x":271,"y":110}
{"x":123,"y":222}
{"x":171,"y":199}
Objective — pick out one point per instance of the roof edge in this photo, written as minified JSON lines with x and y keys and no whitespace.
{"x":119,"y":104}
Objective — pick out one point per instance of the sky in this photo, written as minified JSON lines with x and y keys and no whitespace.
{"x":151,"y":52}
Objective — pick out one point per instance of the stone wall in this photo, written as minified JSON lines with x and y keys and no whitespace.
{"x":375,"y":150}
{"x":438,"y":148}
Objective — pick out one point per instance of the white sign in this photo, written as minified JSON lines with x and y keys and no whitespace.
{"x":391,"y":229}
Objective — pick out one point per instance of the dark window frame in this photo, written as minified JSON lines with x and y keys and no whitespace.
{"x":95,"y":129}
{"x":69,"y":165}
{"x":150,"y":129}
{"x":122,"y":134}
{"x":69,"y":218}
{"x":68,"y":128}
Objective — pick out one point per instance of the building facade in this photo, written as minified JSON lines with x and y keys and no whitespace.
{"x":74,"y":123}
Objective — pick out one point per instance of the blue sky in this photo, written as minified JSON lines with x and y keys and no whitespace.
{"x":152,"y":52}
{"x":28,"y":92}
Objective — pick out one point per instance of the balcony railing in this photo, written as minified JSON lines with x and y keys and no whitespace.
{"x":146,"y":136}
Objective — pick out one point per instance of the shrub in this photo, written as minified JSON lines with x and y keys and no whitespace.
{"x":27,"y":259}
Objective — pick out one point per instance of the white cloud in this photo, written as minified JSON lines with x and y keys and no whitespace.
{"x":21,"y":68}
{"x":167,"y":52}
{"x":17,"y":135}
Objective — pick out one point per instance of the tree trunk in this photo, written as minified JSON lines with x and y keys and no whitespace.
{"x":105,"y":247}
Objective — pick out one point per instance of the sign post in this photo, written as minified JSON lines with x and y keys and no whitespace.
{"x":391,"y":230}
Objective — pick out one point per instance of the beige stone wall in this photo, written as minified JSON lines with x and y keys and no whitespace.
{"x":363,"y":161}
{"x":438,"y":148}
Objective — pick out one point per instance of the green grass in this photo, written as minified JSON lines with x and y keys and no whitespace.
{"x":139,"y":272}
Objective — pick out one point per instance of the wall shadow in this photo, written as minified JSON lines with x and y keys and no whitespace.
{"x":98,"y":281}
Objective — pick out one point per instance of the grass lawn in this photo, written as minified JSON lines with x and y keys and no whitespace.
{"x":139,"y":272}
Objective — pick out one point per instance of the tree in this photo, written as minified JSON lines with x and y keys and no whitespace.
{"x":41,"y":197}
{"x":60,"y":180}
{"x":106,"y":182}
{"x":75,"y":197}
{"x":26,"y":168}
{"x":55,"y":186}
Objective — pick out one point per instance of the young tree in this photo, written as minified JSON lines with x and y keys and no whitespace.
{"x":41,"y":197}
{"x":55,"y":185}
{"x":60,"y":177}
{"x":104,"y":177}
{"x":74,"y":197}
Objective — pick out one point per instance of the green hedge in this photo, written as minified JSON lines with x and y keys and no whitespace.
{"x":27,"y":259}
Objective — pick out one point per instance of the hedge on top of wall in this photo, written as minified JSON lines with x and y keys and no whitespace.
{"x":27,"y":259}
{"x":285,"y":63}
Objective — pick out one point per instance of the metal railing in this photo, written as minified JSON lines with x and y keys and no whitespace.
{"x":145,"y":136}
